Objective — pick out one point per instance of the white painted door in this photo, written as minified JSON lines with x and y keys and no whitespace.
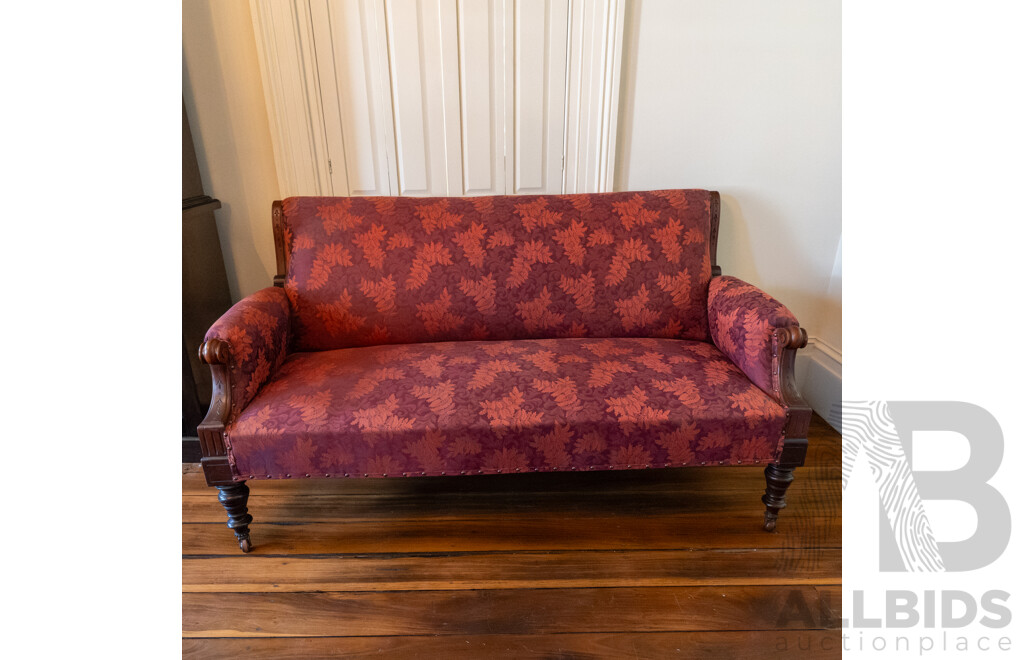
{"x":482,"y":91}
{"x":423,"y":59}
{"x":536,"y":64}
{"x":441,"y":97}
{"x":356,"y":99}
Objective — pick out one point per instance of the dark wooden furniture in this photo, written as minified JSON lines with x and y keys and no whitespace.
{"x":204,"y":290}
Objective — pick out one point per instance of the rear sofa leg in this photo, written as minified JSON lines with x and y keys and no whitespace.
{"x":774,"y":498}
{"x":234,"y":498}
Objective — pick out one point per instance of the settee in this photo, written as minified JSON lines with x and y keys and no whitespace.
{"x":411,"y":337}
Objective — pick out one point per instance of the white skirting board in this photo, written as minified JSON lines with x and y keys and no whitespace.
{"x":819,"y":375}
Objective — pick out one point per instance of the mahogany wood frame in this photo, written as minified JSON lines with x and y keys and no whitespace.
{"x":234,"y":493}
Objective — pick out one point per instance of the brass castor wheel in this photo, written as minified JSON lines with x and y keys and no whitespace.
{"x":245,"y":544}
{"x":769,"y":521}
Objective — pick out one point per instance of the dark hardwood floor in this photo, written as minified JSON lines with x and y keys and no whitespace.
{"x":648,"y":564}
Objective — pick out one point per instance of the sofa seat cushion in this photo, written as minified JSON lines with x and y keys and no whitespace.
{"x":484,"y":407}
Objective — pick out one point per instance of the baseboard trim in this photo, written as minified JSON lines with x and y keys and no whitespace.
{"x":819,"y":375}
{"x":190,"y":450}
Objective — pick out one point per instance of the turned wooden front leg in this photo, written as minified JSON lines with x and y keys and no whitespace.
{"x":774,"y":498}
{"x":234,"y":498}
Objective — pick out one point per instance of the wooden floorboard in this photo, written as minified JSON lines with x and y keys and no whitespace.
{"x":665,"y":532}
{"x":749,"y":645}
{"x":486,"y":611}
{"x":647,"y":563}
{"x":512,"y":570}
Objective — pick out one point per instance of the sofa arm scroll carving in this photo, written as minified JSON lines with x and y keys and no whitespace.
{"x":791,"y":336}
{"x":215,"y":351}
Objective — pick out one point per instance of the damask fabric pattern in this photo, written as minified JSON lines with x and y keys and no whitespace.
{"x":366,"y":271}
{"x":743,"y":319}
{"x":505,"y":406}
{"x":257,"y":331}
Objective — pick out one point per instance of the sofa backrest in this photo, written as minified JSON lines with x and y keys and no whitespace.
{"x":374,"y":270}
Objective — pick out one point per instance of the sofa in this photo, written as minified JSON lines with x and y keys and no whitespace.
{"x":419,"y":337}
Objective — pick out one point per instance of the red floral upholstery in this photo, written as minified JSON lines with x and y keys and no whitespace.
{"x":506,"y":406}
{"x":367,"y":271}
{"x":257,"y":332}
{"x":742,"y":319}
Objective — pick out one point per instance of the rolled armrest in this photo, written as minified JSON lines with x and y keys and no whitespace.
{"x":244,"y":347}
{"x":752,"y":329}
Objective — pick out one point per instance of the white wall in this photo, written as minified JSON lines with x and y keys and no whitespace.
{"x":831,"y":328}
{"x":228,"y":117}
{"x":743,"y":97}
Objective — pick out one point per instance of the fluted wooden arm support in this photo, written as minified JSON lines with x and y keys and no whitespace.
{"x":216,"y":353}
{"x":786,"y":341}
